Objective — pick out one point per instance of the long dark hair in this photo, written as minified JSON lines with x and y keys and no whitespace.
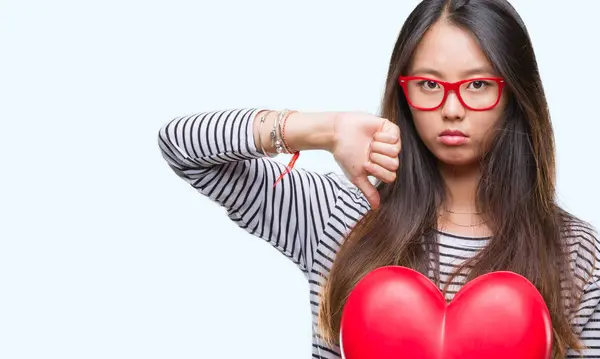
{"x":517,"y":187}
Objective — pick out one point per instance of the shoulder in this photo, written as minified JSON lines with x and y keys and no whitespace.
{"x":583,"y":247}
{"x":579,"y":233}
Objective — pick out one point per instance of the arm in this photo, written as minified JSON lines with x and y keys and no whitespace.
{"x":218,"y":154}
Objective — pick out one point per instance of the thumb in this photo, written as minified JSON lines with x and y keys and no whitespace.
{"x":367,"y":188}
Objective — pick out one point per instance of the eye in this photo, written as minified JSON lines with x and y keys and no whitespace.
{"x":429,"y":85}
{"x":478,"y":84}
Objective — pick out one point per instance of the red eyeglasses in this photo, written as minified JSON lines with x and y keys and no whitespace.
{"x":477,"y":94}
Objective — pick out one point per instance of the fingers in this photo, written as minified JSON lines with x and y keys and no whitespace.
{"x":386,"y":162}
{"x":392,"y":136}
{"x":370,"y":192}
{"x":380,"y":172}
{"x":387,"y":149}
{"x":385,"y":137}
{"x":390,"y":128}
{"x":383,"y":159}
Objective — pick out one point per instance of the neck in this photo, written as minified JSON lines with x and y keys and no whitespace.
{"x":461,"y":187}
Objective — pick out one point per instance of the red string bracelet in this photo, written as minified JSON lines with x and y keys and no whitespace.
{"x":296,"y":154}
{"x":288,"y":168}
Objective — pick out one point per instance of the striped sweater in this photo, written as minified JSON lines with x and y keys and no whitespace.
{"x":307,"y":215}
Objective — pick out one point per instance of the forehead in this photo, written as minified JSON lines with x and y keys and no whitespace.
{"x":450,"y":52}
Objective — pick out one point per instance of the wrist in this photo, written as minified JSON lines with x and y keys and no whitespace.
{"x":310,"y":131}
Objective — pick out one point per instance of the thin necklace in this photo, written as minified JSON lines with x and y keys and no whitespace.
{"x":465,"y":225}
{"x":450,"y":211}
{"x":462,"y":225}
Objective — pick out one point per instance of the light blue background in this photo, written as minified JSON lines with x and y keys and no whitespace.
{"x":105,"y":253}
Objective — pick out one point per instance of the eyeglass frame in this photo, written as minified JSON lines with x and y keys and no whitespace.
{"x":451,"y":86}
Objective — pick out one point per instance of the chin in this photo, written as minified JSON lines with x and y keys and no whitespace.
{"x":456,"y":158}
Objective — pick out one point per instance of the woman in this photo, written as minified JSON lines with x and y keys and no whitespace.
{"x":464,"y":157}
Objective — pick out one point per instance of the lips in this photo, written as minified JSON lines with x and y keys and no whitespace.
{"x":453,"y":138}
{"x":453,"y":133}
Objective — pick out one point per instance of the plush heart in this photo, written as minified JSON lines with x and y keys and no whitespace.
{"x":398,"y":313}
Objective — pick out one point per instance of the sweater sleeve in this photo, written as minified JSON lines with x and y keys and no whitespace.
{"x":216,"y":154}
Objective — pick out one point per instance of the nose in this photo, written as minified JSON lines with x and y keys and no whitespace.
{"x":452,"y":108}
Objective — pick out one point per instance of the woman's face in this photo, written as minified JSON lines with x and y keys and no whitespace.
{"x":448,"y":53}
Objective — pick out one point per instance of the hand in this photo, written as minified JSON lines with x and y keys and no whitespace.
{"x":366,"y":145}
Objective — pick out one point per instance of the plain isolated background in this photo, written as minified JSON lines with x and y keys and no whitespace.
{"x":105,"y":253}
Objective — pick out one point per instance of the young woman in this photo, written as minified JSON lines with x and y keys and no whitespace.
{"x":464,"y":156}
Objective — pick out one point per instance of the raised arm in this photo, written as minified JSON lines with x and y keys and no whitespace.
{"x":220,"y":155}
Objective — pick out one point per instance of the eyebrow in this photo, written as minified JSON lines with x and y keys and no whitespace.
{"x":470,"y":72}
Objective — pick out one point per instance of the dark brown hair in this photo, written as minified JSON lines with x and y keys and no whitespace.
{"x":517,"y":186}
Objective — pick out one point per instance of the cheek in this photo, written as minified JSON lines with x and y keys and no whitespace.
{"x":486,"y":127}
{"x":425,"y":124}
{"x":485,"y":124}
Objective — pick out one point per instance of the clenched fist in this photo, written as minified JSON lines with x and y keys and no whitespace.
{"x":366,"y":145}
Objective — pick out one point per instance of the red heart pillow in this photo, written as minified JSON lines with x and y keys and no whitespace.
{"x":397,"y":313}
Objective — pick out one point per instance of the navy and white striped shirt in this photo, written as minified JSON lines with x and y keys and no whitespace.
{"x":307,"y":215}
